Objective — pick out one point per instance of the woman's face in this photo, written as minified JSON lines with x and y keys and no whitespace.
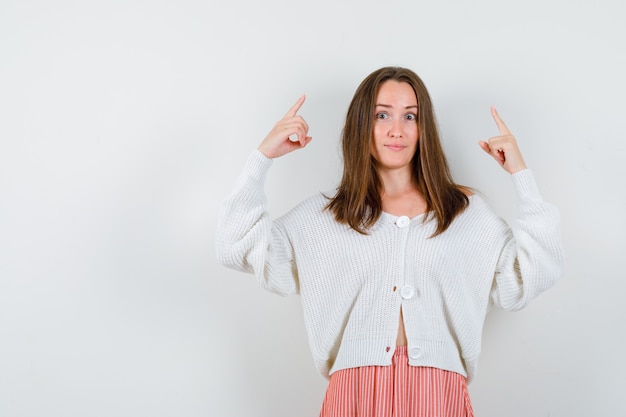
{"x":395,"y":126}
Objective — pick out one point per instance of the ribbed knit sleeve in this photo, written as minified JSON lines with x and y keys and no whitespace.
{"x":246,"y":238}
{"x":533,"y":256}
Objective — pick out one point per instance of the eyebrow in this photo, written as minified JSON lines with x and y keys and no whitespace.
{"x":390,"y":106}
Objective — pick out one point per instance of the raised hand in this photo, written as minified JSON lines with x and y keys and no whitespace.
{"x":503,"y":148}
{"x":277,"y":142}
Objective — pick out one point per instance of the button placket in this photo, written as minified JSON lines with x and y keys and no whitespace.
{"x":406,"y":292}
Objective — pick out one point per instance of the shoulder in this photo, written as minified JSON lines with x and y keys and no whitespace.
{"x":477,"y":228}
{"x":309,"y":220}
{"x":478,"y":204}
{"x":479,"y":214}
{"x":310,"y":209}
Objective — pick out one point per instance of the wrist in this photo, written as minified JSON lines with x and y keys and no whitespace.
{"x":265,"y":152}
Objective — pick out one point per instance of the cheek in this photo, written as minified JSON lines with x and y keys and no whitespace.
{"x":378,"y":131}
{"x":378,"y":135}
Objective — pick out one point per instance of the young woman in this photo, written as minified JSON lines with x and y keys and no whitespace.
{"x":398,"y":268}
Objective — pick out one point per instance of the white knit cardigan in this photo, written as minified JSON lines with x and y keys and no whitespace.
{"x":353,"y":286}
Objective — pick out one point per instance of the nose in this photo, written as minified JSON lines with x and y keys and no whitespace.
{"x":395,"y":129}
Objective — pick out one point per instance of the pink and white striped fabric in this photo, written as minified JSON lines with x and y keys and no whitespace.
{"x":398,"y":390}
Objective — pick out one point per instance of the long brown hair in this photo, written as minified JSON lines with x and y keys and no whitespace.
{"x":358,"y":202}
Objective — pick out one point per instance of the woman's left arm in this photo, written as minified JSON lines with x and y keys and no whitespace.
{"x":532,"y":258}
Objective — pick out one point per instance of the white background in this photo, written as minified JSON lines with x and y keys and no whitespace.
{"x":124,"y":123}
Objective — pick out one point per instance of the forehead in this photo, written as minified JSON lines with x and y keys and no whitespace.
{"x":397,"y":93}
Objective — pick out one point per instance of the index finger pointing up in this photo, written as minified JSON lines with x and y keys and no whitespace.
{"x":503,"y":129}
{"x":294,"y":109}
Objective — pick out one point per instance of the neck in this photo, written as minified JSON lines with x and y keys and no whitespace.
{"x":400,"y":195}
{"x":396,"y":181}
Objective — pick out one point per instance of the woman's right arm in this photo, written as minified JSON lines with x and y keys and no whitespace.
{"x":246,"y":239}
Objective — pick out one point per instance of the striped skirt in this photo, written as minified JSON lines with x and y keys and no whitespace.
{"x":398,"y":390}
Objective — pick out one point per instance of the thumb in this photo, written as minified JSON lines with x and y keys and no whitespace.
{"x":485,"y":146}
{"x":499,"y":157}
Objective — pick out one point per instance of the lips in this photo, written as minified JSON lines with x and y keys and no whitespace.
{"x":395,"y":147}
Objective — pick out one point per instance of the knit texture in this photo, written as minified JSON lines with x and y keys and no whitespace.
{"x":353,"y":286}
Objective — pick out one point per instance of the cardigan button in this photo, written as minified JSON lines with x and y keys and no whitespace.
{"x":415,"y":352}
{"x":407,"y":292}
{"x":402,"y":221}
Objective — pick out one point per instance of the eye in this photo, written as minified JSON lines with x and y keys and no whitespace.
{"x":382,"y":115}
{"x":411,"y":116}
